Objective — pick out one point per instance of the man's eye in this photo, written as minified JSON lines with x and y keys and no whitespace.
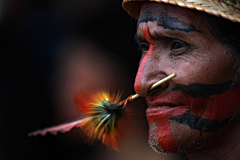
{"x":177,"y":45}
{"x":144,"y":46}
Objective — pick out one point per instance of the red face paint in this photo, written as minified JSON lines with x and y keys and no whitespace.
{"x":217,"y":107}
{"x":176,"y":103}
{"x":143,"y":62}
{"x":161,"y":114}
{"x":161,"y":117}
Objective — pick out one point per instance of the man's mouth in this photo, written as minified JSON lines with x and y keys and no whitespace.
{"x":164,"y":108}
{"x":169,"y":105}
{"x":161,"y":104}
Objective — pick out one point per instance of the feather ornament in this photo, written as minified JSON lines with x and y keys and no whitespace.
{"x":102,"y":119}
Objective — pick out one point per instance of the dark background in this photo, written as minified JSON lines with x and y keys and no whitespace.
{"x":42,"y":65}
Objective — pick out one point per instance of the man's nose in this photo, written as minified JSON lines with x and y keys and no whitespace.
{"x":146,"y":76}
{"x":150,"y":69}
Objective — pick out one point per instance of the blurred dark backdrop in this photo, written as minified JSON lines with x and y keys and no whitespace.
{"x":50,"y":49}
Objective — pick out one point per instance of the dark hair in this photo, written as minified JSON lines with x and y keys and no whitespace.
{"x":228,"y":33}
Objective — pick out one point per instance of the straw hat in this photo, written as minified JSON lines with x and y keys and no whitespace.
{"x":228,"y":9}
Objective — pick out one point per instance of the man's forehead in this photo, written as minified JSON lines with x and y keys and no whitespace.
{"x":159,"y":9}
{"x":169,"y":17}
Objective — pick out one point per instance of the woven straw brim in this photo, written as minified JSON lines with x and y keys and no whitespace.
{"x":228,"y":9}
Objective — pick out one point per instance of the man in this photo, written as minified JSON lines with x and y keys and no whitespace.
{"x":196,"y":113}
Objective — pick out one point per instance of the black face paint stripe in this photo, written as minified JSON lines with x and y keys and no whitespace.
{"x":166,"y":21}
{"x":199,"y":123}
{"x":203,"y":90}
{"x":173,"y":23}
{"x":147,"y":16}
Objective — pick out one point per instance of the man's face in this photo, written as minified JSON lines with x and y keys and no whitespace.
{"x":194,"y":106}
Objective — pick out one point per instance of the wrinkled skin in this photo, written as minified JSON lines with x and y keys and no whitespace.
{"x":187,"y":113}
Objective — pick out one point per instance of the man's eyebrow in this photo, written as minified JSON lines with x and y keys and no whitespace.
{"x":173,"y":23}
{"x":166,"y":21}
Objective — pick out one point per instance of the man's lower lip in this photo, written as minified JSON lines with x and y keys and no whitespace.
{"x":165,"y":110}
{"x":157,"y":107}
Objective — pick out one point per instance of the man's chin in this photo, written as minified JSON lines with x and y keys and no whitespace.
{"x":153,"y":138}
{"x":183,"y":144}
{"x":155,"y":146}
{"x":154,"y":142}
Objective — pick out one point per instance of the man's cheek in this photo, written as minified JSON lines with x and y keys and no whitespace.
{"x":201,"y":115}
{"x":213,"y":102}
{"x":210,"y":114}
{"x":217,"y":107}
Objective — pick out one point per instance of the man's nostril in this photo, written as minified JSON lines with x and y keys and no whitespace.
{"x":155,"y":86}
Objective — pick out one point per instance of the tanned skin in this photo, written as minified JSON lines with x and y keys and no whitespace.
{"x":196,"y":113}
